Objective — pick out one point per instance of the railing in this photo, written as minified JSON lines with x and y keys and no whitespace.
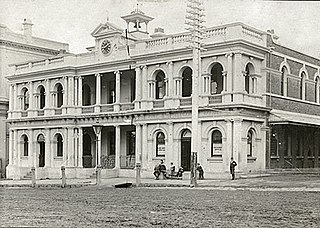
{"x":186,"y":101}
{"x":107,"y":108}
{"x":126,"y":106}
{"x":215,"y":99}
{"x":252,"y":32}
{"x":88,"y":109}
{"x":127,"y":161}
{"x":158,"y":104}
{"x":58,"y":111}
{"x":108,"y":161}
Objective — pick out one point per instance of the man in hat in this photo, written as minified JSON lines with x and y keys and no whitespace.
{"x":233,"y":164}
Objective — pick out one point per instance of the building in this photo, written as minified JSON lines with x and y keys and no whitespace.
{"x":16,"y":47}
{"x":128,"y":100}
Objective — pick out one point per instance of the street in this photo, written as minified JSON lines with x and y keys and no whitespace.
{"x":94,"y":206}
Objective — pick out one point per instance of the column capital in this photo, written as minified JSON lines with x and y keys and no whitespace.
{"x":229,"y":54}
{"x":224,"y":73}
{"x":206,"y":74}
{"x":117,"y":72}
{"x":97,"y":75}
{"x":169,"y":63}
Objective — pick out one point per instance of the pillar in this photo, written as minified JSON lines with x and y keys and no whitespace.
{"x":138,"y":83}
{"x":144,"y":82}
{"x":15,"y":97}
{"x":118,"y":86}
{"x":47,"y":160}
{"x":10,"y":147}
{"x":98,"y":149}
{"x":173,"y":157}
{"x":80,"y":91}
{"x":80,"y":146}
{"x":70,"y":142}
{"x":170,"y":80}
{"x":118,"y":144}
{"x":228,"y":153}
{"x":65,"y":91}
{"x":229,"y":73}
{"x":32,"y":102}
{"x":70,"y":90}
{"x":239,"y":153}
{"x":76,"y":91}
{"x":138,"y":143}
{"x":144,"y":158}
{"x":238,"y":79}
{"x":10,"y":97}
{"x":15,"y":147}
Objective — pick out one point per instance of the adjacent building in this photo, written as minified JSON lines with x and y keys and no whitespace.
{"x":128,"y":100}
{"x":16,"y":47}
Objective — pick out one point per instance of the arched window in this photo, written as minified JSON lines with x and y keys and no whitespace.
{"x":249,"y":81}
{"x":216,"y":143}
{"x":86,"y":95}
{"x":25,"y":145}
{"x":187,"y":82}
{"x":42,"y":100}
{"x":216,"y":79}
{"x":160,"y":145}
{"x":250,"y":143}
{"x":284,"y":73}
{"x":59,"y":141}
{"x":160,"y":85}
{"x":302,"y":86}
{"x":59,"y":95}
{"x":25,"y":99}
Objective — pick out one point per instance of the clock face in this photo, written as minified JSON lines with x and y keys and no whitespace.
{"x":106,"y":47}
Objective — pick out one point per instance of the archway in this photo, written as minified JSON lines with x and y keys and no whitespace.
{"x":87,"y":155}
{"x":41,"y":142}
{"x":187,"y":82}
{"x":185,"y":149}
{"x":216,"y":79}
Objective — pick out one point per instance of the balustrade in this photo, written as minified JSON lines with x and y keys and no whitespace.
{"x":127,"y":161}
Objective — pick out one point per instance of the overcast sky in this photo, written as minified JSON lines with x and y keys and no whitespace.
{"x":71,"y":21}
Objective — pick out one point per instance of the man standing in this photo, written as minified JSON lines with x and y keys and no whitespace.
{"x":233,"y":164}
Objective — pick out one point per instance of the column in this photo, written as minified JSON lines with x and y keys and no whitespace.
{"x":118,"y":86}
{"x":170,"y":80}
{"x":47,"y":159}
{"x":144,"y":146}
{"x":47,"y":94}
{"x":144,"y":82}
{"x":32,"y":102}
{"x":76,"y":91}
{"x":65,"y":91}
{"x":239,"y":152}
{"x":65,"y":146}
{"x":225,"y":82}
{"x":138,"y":143}
{"x":70,"y":147}
{"x":138,"y":83}
{"x":70,"y":90}
{"x":238,"y":79}
{"x":10,"y":147}
{"x":80,"y":146}
{"x":173,"y":157}
{"x":228,"y":148}
{"x":80,"y":91}
{"x":118,"y":144}
{"x":15,"y":97}
{"x":229,"y":73}
{"x":15,"y":147}
{"x":98,"y":159}
{"x":98,"y":92}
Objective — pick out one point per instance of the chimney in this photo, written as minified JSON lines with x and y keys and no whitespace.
{"x":27,"y":28}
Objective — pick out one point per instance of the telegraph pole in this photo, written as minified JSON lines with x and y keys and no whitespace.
{"x":194,"y":21}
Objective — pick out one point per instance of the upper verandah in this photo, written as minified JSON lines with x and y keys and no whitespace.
{"x":124,"y":49}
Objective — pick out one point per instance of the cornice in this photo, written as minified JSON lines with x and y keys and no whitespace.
{"x":28,"y":47}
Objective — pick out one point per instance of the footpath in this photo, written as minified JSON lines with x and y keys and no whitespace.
{"x":267,"y":182}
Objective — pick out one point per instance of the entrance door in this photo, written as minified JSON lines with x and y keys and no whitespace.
{"x":186,"y":150}
{"x":87,"y":156}
{"x":42,"y":154}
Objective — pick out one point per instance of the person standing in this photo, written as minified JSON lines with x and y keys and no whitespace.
{"x":233,"y":164}
{"x":201,"y":172}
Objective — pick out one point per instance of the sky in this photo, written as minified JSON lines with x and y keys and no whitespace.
{"x":297,"y":23}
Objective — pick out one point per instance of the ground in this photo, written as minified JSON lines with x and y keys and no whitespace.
{"x":96,"y":206}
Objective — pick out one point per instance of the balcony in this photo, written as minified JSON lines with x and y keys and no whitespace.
{"x":214,"y":99}
{"x":58,"y":111}
{"x":88,"y":109}
{"x":40,"y":112}
{"x":126,"y":106}
{"x":158,"y":104}
{"x":186,"y":101}
{"x":107,"y":108}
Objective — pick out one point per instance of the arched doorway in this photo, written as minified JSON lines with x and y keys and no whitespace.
{"x":41,"y":142}
{"x":216,"y":79}
{"x":185,"y":149}
{"x":87,"y":155}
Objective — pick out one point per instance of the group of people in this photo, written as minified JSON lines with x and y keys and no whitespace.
{"x":161,"y":169}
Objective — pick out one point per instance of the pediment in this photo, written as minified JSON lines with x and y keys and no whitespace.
{"x":107,"y":29}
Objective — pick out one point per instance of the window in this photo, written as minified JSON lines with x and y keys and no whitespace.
{"x":25,"y":143}
{"x":59,"y":95}
{"x":25,"y":99}
{"x":59,"y":145}
{"x":317,"y":90}
{"x":249,"y":143}
{"x":42,"y":97}
{"x":249,"y":86}
{"x":160,"y":85}
{"x":216,"y":143}
{"x":187,"y":82}
{"x":131,"y":142}
{"x":302,"y":86}
{"x":216,"y":79}
{"x":160,"y":145}
{"x":86,"y":95}
{"x":283,"y":78}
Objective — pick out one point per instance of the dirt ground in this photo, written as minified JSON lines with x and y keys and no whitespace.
{"x":157,"y":207}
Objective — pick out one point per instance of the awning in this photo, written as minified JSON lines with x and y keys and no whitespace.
{"x":283,"y":117}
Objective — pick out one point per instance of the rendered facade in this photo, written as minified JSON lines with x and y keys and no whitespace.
{"x":137,"y":89}
{"x":16,"y":47}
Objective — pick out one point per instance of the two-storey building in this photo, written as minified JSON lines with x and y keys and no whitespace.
{"x":16,"y":47}
{"x":128,"y":100}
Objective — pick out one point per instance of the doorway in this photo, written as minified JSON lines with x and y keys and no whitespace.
{"x":186,"y":149}
{"x":41,"y":141}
